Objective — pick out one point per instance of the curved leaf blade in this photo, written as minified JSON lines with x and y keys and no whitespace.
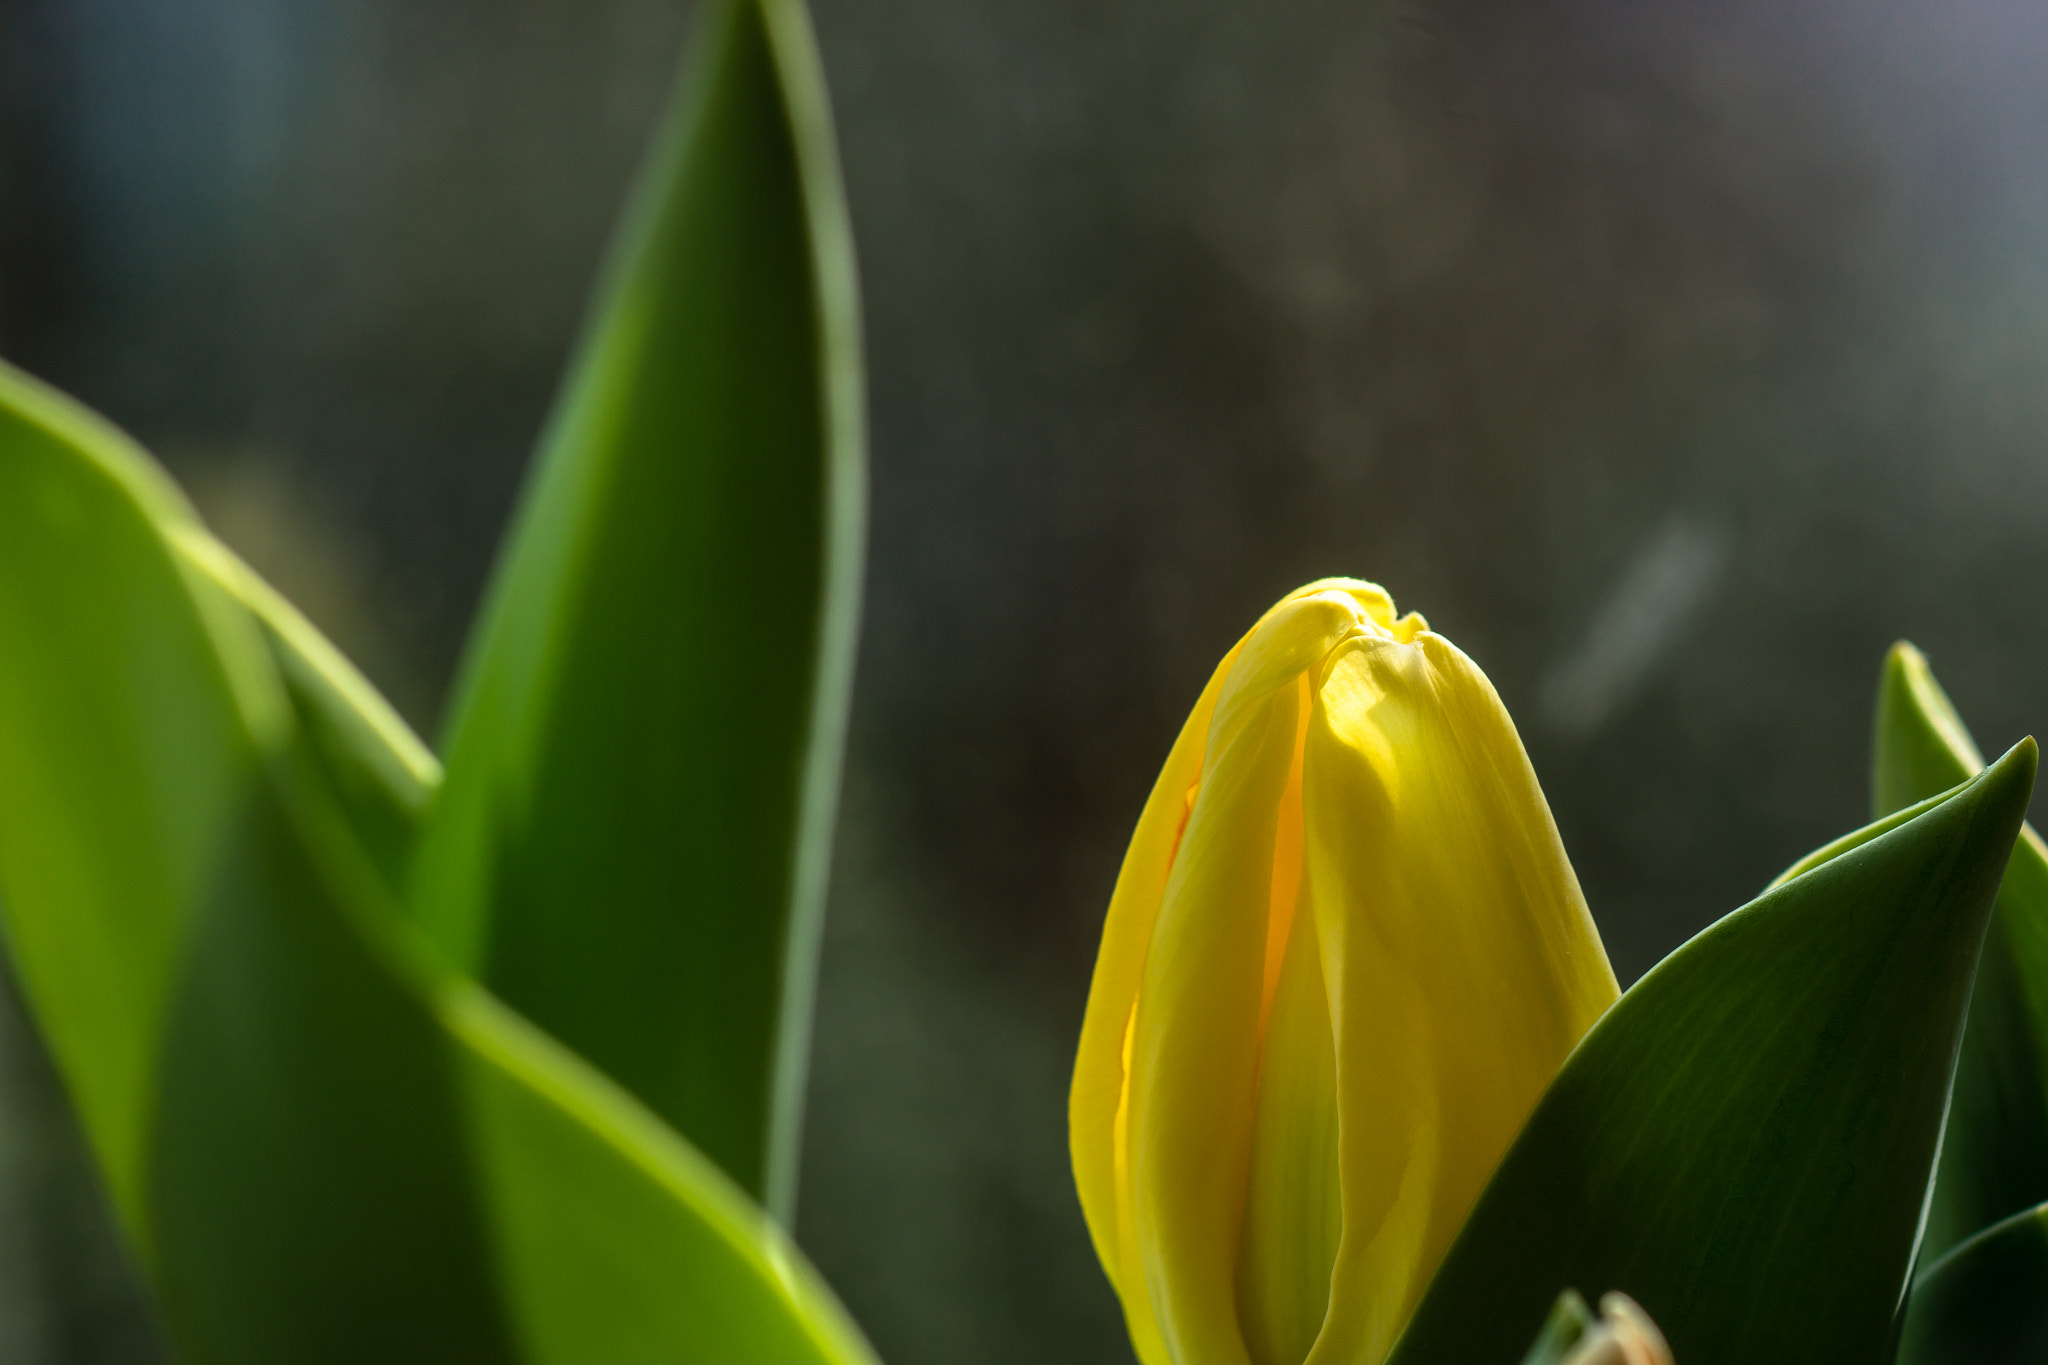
{"x":632,"y":840}
{"x":1986,"y":1302}
{"x":360,"y":1157}
{"x":124,"y":756}
{"x":296,"y":1126}
{"x":1743,"y":1143}
{"x":622,"y":1244}
{"x":311,"y":1195}
{"x":1994,"y":1157}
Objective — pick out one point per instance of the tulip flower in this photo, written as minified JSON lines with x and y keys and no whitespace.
{"x":1344,"y":956}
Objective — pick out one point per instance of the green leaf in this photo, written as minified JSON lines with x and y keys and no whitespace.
{"x":1743,"y":1143}
{"x":359,"y":1157}
{"x":1994,"y":1158}
{"x":325,"y":1145}
{"x":370,"y":759}
{"x":631,"y":844}
{"x":310,"y":1181}
{"x":1986,"y":1302}
{"x":620,"y":1243}
{"x":124,"y":756}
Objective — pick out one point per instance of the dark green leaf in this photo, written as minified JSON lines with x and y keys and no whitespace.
{"x":1986,"y":1302}
{"x":1743,"y":1143}
{"x":311,"y":1193}
{"x":1994,"y":1158}
{"x":632,"y":840}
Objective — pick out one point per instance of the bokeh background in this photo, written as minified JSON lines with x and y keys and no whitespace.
{"x":1673,"y":358}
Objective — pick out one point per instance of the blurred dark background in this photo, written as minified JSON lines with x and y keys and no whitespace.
{"x":1672,"y":358}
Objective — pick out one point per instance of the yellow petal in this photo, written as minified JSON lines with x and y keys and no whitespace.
{"x":1214,"y":953}
{"x":1306,"y":1042}
{"x":1097,"y":1096}
{"x":1293,"y":1214}
{"x":1462,"y":963}
{"x":1195,"y":1045}
{"x":1097,"y":1111}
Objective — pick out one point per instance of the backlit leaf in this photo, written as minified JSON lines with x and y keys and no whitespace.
{"x":324,"y":1144}
{"x":631,"y":844}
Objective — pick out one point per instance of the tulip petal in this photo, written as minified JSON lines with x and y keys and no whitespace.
{"x":1195,"y":1046}
{"x":1174,"y":1111}
{"x":1098,"y":1109}
{"x":1294,"y":1214}
{"x":1463,"y":964}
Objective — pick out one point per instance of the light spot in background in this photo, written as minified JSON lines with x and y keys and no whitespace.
{"x":1645,"y":611}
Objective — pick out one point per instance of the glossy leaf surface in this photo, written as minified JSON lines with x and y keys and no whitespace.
{"x":631,"y":843}
{"x":325,"y":1146}
{"x":1986,"y":1302}
{"x":1743,"y":1143}
{"x":1994,"y":1159}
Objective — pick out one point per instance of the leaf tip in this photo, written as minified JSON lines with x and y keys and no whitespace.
{"x":1995,"y":802}
{"x":1921,"y":745}
{"x":2016,"y":769}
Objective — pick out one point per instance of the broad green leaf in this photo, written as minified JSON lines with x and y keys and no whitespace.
{"x":358,"y":1157}
{"x":1994,"y":1157}
{"x":327,"y":1146}
{"x":311,"y":1194}
{"x":1986,"y":1302}
{"x":1743,"y":1143}
{"x":620,"y":1243}
{"x":631,"y":844}
{"x":124,"y":761}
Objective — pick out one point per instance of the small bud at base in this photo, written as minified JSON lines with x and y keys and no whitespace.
{"x":1625,"y":1335}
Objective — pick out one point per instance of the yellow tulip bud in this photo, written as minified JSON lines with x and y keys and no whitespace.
{"x":1344,"y":957}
